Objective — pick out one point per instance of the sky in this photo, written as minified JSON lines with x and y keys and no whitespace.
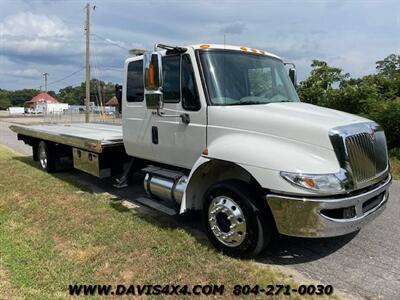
{"x":38,"y":36}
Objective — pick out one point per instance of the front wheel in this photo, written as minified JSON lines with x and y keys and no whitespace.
{"x":236,"y":222}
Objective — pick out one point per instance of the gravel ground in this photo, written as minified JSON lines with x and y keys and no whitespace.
{"x":365,"y":263}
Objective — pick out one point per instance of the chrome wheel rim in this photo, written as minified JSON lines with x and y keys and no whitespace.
{"x":43,"y":157}
{"x":227,"y":221}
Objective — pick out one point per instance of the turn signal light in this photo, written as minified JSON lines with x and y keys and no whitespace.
{"x":152,"y":76}
{"x":309,"y":182}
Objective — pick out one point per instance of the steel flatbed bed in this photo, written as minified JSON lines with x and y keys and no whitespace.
{"x":88,"y":136}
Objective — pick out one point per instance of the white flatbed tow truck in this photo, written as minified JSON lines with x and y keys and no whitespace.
{"x":221,"y":129}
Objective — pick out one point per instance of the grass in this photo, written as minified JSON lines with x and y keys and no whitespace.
{"x":53,"y":233}
{"x":395,"y":163}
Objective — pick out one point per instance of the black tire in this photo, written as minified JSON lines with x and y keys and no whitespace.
{"x":259,"y":224}
{"x":46,"y":157}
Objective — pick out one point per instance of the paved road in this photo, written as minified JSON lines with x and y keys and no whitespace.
{"x":364,"y":264}
{"x":9,"y":138}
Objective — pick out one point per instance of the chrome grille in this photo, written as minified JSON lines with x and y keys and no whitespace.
{"x":361,"y":152}
{"x":367,"y":155}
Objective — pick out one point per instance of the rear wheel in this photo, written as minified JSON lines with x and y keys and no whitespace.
{"x":236,"y":222}
{"x":46,"y":157}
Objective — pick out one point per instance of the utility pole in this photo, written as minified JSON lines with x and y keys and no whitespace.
{"x":45,"y":81}
{"x":87,"y":28}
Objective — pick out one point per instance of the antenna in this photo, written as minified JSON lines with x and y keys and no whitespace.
{"x":223,"y":67}
{"x":87,"y":28}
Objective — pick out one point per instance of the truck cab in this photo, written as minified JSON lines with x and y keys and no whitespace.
{"x":255,"y":158}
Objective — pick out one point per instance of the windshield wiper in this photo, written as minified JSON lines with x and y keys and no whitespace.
{"x":248,"y":102}
{"x":284,"y":101}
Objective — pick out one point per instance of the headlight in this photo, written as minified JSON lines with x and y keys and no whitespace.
{"x":319,"y":183}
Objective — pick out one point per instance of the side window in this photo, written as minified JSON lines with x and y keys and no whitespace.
{"x":190,"y":96}
{"x":171,"y":87}
{"x":134,"y":86}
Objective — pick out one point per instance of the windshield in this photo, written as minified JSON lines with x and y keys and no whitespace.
{"x":240,"y":78}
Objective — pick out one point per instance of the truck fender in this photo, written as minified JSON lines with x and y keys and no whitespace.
{"x":205,"y":172}
{"x":200,"y":161}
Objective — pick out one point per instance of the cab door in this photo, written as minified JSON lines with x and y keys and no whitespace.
{"x":180,"y":143}
{"x":136,"y":118}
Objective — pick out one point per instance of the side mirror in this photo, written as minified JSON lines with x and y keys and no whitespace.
{"x":293,"y":76}
{"x":152,"y":65}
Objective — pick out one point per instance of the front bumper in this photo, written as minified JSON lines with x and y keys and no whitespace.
{"x":327,"y":217}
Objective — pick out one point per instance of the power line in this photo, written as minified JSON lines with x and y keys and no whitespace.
{"x":96,"y":74}
{"x":66,"y":77}
{"x":113,"y":68}
{"x":56,"y":81}
{"x":109,"y":41}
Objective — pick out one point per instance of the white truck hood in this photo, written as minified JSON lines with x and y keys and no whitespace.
{"x":290,"y":120}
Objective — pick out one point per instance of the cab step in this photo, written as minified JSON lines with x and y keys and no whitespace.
{"x":157,"y":205}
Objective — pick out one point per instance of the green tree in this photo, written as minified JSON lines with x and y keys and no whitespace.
{"x":19,"y":97}
{"x":352,"y":98}
{"x":387,"y":114}
{"x":52,"y":93}
{"x":72,"y":95}
{"x":99,"y":91}
{"x":319,"y":85}
{"x":5,"y":101}
{"x":389,"y":65}
{"x":375,"y":96}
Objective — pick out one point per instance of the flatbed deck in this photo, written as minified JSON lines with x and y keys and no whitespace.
{"x":89,"y":136}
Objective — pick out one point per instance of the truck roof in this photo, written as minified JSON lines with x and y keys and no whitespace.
{"x":139,"y":52}
{"x":233,"y":47}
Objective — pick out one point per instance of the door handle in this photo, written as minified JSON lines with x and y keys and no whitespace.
{"x":185,"y":118}
{"x":154,"y":134}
